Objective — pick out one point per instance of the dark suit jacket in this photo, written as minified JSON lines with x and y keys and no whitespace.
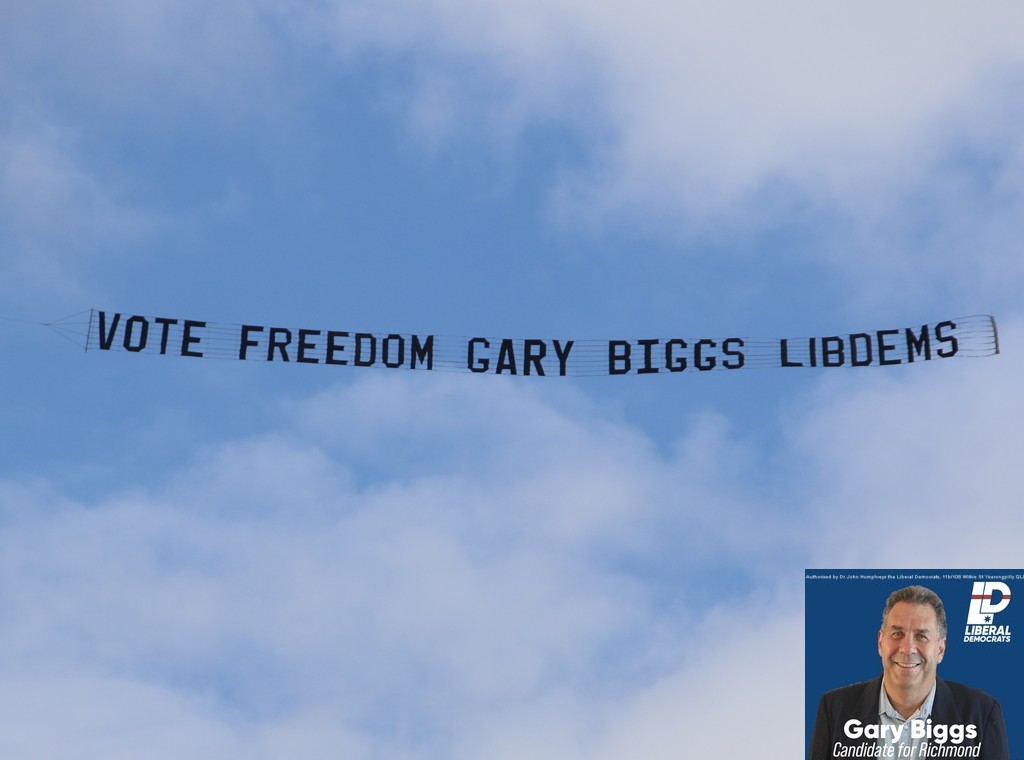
{"x":954,"y":703}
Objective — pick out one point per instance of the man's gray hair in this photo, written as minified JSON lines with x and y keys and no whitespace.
{"x":918,"y":595}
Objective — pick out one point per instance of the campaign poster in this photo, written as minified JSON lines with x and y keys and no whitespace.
{"x":984,"y":640}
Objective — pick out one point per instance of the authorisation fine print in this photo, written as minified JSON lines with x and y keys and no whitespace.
{"x":913,"y":664}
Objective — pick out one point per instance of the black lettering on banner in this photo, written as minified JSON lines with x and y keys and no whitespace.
{"x":304,"y":345}
{"x":187,"y":339}
{"x":954,"y":344}
{"x":422,"y":352}
{"x":698,"y":355}
{"x":672,"y":362}
{"x":861,"y":352}
{"x":483,"y":364}
{"x":648,"y":367}
{"x":618,"y":357}
{"x":107,"y":338}
{"x":736,"y":358}
{"x":362,"y":338}
{"x":529,"y":356}
{"x":916,"y":344}
{"x":833,"y":353}
{"x":506,"y":357}
{"x":534,"y":352}
{"x":885,"y":348}
{"x":280,"y":337}
{"x":246,"y":341}
{"x":334,"y":348}
{"x":562,"y":352}
{"x":784,"y":348}
{"x":129,"y":330}
{"x":165,"y":333}
{"x":385,"y":351}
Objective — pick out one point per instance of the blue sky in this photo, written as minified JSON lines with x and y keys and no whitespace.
{"x":219,"y":558}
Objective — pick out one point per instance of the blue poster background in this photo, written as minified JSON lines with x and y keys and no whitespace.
{"x":843,"y":612}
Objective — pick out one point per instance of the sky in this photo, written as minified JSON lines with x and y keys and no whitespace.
{"x":213,"y":559}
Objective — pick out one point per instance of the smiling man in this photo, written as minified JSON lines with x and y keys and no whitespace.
{"x":908,"y":711}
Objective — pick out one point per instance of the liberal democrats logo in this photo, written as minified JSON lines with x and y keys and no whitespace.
{"x":987,"y":598}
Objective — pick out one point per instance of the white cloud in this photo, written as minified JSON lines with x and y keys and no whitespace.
{"x":707,"y":103}
{"x":448,"y":566}
{"x":748,"y":650}
{"x":274,"y":590}
{"x":918,"y":470}
{"x":889,"y":134}
{"x":79,"y":715}
{"x":757,"y":660}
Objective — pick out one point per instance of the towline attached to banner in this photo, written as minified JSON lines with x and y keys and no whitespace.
{"x":972,"y":336}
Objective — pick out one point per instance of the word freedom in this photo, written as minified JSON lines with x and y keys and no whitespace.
{"x":964,"y":336}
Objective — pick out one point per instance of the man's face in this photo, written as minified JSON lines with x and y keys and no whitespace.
{"x":910,"y":646}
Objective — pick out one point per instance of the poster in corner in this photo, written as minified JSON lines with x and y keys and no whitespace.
{"x":852,"y":663}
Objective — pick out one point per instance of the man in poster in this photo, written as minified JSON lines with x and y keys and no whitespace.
{"x":908,"y":711}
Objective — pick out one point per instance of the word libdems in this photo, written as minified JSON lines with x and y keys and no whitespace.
{"x":862,"y":349}
{"x":967,"y":336}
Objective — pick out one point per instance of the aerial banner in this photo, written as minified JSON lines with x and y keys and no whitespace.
{"x":539,"y":356}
